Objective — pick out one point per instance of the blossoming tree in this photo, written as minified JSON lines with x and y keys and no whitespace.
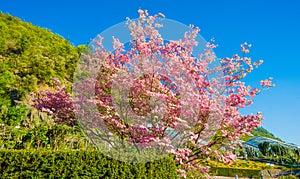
{"x":155,"y":95}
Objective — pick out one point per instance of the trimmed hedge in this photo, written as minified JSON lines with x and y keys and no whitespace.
{"x":78,"y":164}
{"x":231,"y":172}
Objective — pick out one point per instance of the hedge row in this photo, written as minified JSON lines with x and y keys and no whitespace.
{"x":231,"y":172}
{"x":78,"y":164}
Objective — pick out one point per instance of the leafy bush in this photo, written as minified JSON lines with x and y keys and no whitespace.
{"x":78,"y":164}
{"x":15,"y":115}
{"x":42,"y":136}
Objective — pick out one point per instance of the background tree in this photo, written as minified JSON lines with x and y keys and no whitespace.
{"x":264,"y":147}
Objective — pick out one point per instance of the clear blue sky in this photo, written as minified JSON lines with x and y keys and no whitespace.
{"x":271,"y":26}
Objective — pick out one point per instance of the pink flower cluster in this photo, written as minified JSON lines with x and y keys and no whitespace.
{"x":58,"y":104}
{"x":267,"y":83}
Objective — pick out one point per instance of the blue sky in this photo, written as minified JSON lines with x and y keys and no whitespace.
{"x":271,"y":26}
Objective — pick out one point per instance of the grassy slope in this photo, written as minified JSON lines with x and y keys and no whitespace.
{"x":33,"y":55}
{"x":30,"y":57}
{"x":261,"y":132}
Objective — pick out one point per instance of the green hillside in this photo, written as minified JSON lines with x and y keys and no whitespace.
{"x":29,"y":57}
{"x":262,"y":132}
{"x":265,"y":133}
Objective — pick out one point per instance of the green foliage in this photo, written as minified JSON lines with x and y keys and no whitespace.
{"x":31,"y":56}
{"x":278,"y":153}
{"x":78,"y":164}
{"x":264,"y":148}
{"x":33,"y":51}
{"x":289,"y":177}
{"x":43,"y":136}
{"x":231,"y":172}
{"x":260,"y":131}
{"x":15,"y":115}
{"x":6,"y":82}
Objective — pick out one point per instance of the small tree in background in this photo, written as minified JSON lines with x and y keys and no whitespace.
{"x":58,"y":104}
{"x":156,"y":94}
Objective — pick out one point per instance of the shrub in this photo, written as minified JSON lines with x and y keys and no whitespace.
{"x":78,"y":164}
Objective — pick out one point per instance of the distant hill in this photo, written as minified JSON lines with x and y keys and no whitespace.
{"x":260,"y":131}
{"x":33,"y":52}
{"x":265,"y":133}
